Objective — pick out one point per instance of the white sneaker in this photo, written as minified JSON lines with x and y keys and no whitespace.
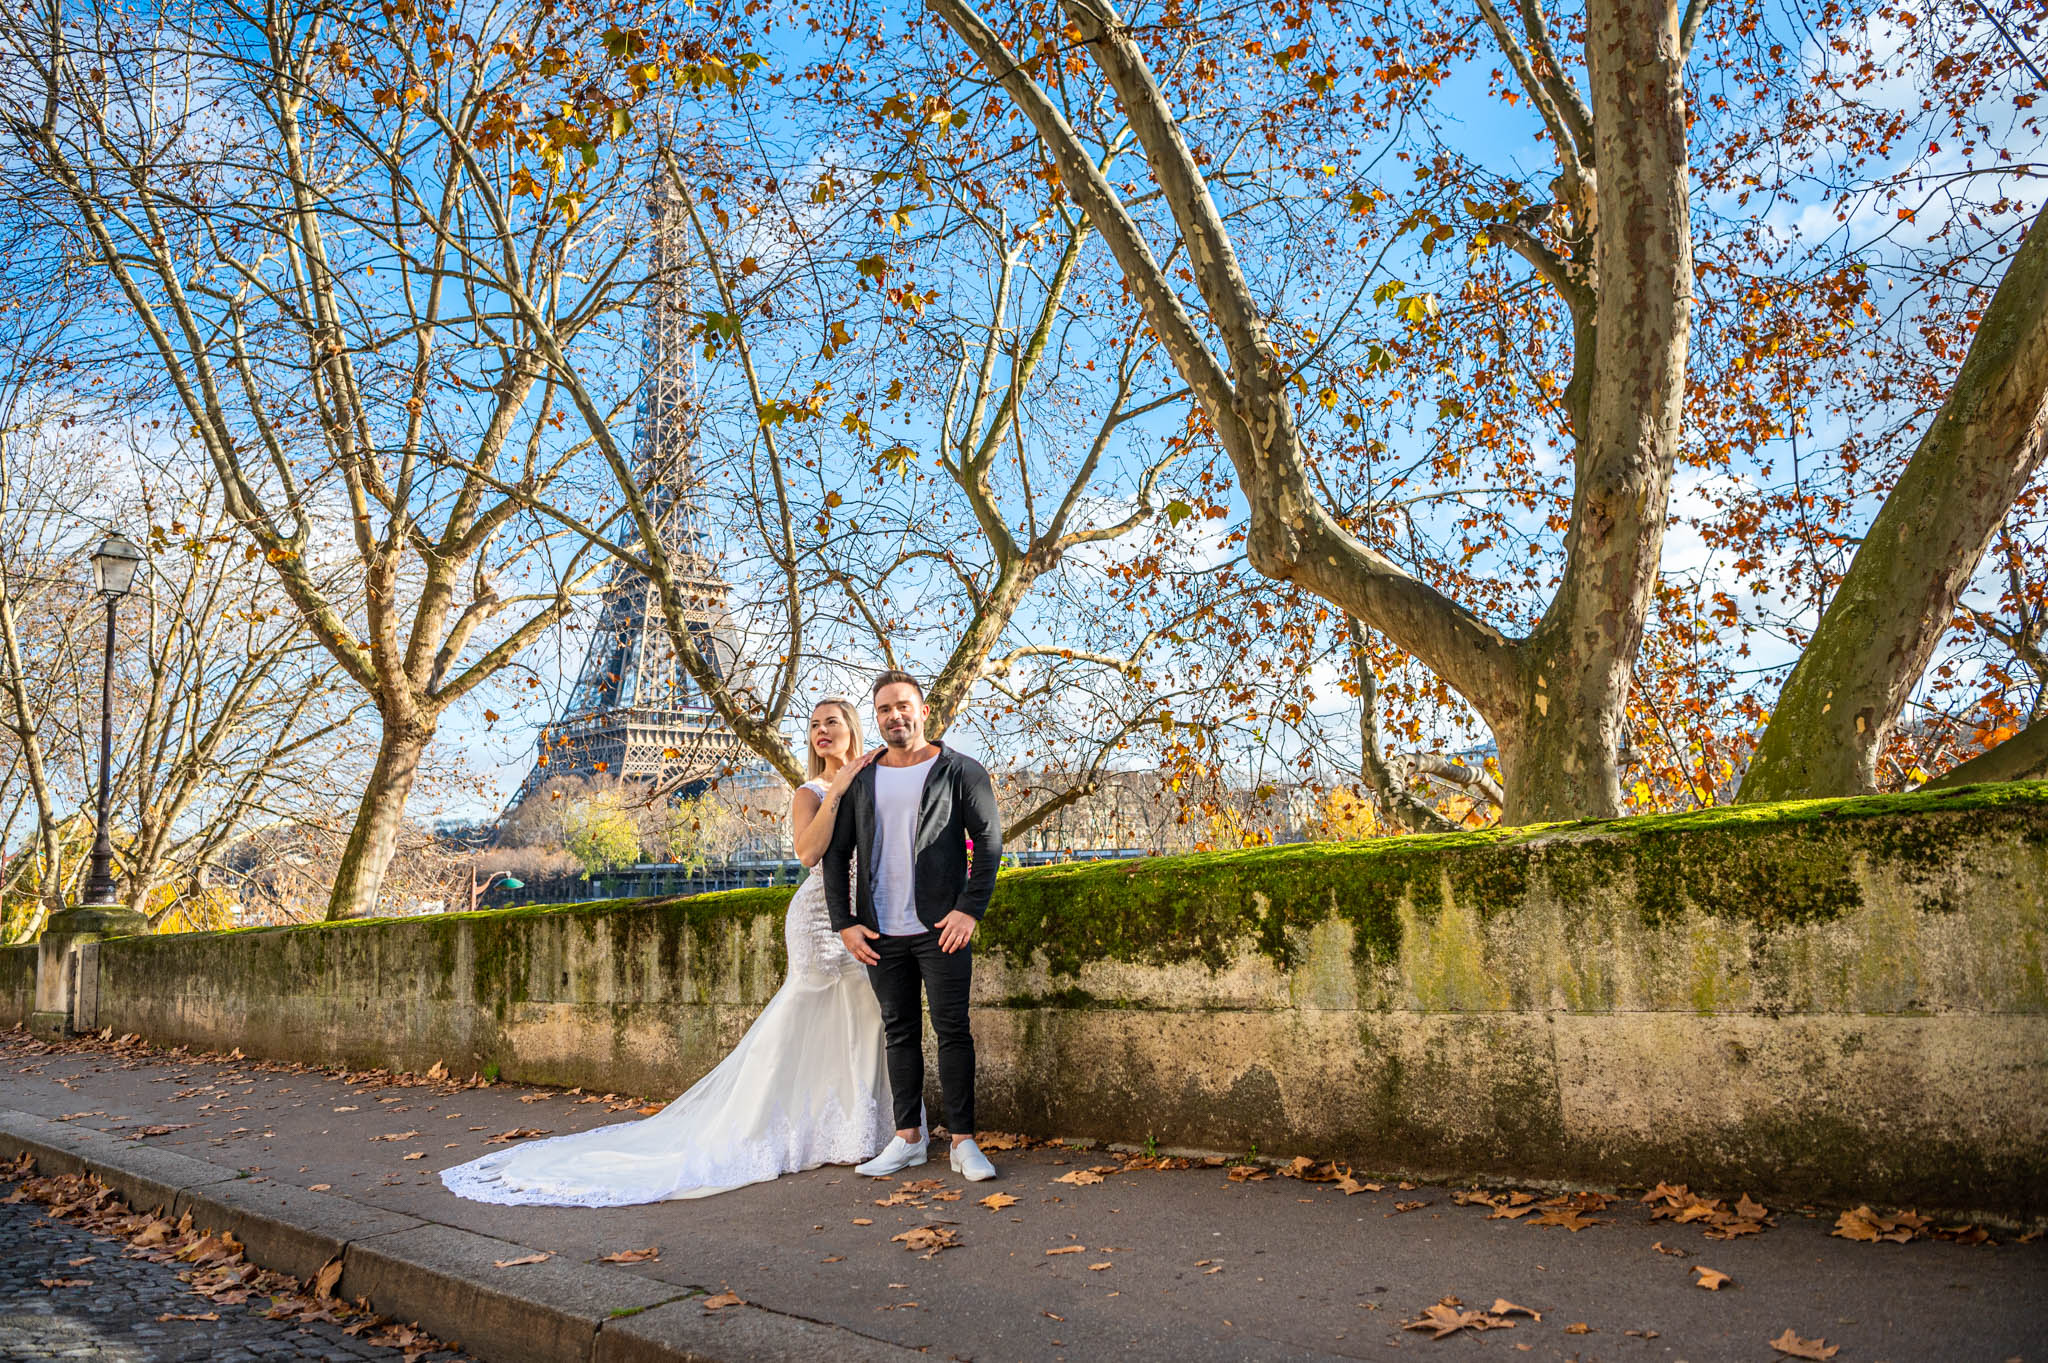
{"x":970,"y":1163}
{"x":899,"y":1154}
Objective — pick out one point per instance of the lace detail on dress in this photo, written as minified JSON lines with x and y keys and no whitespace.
{"x":807,"y":1085}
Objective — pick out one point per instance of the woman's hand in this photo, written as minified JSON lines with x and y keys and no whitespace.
{"x":852,"y":769}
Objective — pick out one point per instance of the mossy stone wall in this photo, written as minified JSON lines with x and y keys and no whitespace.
{"x":1841,"y":999}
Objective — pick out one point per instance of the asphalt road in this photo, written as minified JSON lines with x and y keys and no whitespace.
{"x":1176,"y":1267}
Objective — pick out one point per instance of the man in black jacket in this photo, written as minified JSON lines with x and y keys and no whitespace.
{"x":913,"y":816}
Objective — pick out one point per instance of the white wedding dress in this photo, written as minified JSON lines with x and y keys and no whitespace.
{"x":807,"y":1085}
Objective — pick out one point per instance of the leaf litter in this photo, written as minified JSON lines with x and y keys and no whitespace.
{"x":215,"y":1266}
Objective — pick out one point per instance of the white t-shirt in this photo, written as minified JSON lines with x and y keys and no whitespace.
{"x":898,"y":793}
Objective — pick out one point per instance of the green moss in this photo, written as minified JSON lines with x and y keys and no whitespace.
{"x":1752,"y":868}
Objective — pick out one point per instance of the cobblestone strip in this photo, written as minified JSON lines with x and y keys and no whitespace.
{"x":66,"y":1293}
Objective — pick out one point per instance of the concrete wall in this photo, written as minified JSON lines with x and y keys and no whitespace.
{"x":17,"y":984}
{"x":1832,"y":999}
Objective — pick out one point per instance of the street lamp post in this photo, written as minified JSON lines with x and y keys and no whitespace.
{"x":67,"y":989}
{"x":477,"y":889}
{"x":113,"y":574}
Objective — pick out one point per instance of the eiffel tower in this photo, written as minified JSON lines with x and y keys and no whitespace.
{"x":634,"y":714}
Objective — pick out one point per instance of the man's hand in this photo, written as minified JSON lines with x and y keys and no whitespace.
{"x":856,"y":939}
{"x":954,"y":930}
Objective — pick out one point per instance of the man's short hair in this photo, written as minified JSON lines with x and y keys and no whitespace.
{"x":890,"y":678}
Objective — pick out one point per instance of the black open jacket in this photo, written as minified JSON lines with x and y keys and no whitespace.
{"x":958,"y":804}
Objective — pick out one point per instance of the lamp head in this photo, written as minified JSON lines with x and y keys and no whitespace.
{"x":113,"y":566}
{"x":514,"y":883}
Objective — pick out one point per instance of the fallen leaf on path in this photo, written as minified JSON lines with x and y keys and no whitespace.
{"x":184,"y":1315}
{"x":1795,"y":1347}
{"x":1409,"y":1206}
{"x":631,"y":1256}
{"x":930,"y":1239}
{"x":1080,"y":1178}
{"x":395,"y":1136}
{"x":539,"y":1258}
{"x":1349,"y":1185}
{"x":65,"y":1282}
{"x":723,"y":1300}
{"x":1097,"y":1268}
{"x":1050,"y":1316}
{"x":417,"y":1154}
{"x":517,"y":1133}
{"x":1640,"y":1334}
{"x":1578,"y":1327}
{"x":1449,"y":1316}
{"x":995,"y":1202}
{"x":1247,"y":1173}
{"x":324,"y":1281}
{"x":1503,"y":1307}
{"x":1075,"y":1249}
{"x":320,"y":1188}
{"x":863,"y":1221}
{"x":1001,"y":1140}
{"x":834,"y":1259}
{"x":1711,"y":1279}
{"x":1571,"y":1218}
{"x":1311,"y":1171}
{"x":1663,"y":1248}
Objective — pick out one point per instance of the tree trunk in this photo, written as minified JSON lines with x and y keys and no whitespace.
{"x":359,"y":879}
{"x":1901,"y":590}
{"x":1558,"y":754}
{"x":2023,"y":757}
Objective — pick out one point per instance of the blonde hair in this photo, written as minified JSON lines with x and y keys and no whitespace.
{"x":816,"y":764}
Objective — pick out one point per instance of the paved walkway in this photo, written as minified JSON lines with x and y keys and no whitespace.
{"x":1180,"y":1266}
{"x":69,"y":1294}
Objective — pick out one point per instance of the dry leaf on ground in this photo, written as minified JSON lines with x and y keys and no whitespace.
{"x":631,"y":1256}
{"x":723,"y":1300}
{"x":930,"y":1239}
{"x":1409,"y":1206}
{"x":1571,"y":1218}
{"x":1069,"y":1249}
{"x":1097,"y":1268}
{"x":1503,"y":1307}
{"x":1449,"y":1316}
{"x":1711,"y":1279}
{"x":1663,"y":1248}
{"x":1349,"y":1185}
{"x":1793,"y":1346}
{"x":517,"y":1133}
{"x":995,"y":1202}
{"x":324,"y":1281}
{"x":1578,"y":1327}
{"x":1080,"y":1178}
{"x":65,"y":1282}
{"x":540,"y":1258}
{"x":187,"y":1315}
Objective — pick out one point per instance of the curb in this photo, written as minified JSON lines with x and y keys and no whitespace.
{"x":440,"y":1276}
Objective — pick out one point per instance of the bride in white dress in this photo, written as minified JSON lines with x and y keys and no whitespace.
{"x":807,"y":1085}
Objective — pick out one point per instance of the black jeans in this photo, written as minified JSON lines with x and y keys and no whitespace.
{"x":907,"y":963}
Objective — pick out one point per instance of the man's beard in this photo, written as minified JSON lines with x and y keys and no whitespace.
{"x":905,"y":737}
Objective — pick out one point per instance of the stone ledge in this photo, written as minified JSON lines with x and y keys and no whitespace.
{"x":59,"y":1148}
{"x":287,"y":1228}
{"x":441,"y":1277}
{"x":445,"y":1279}
{"x":152,"y":1180}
